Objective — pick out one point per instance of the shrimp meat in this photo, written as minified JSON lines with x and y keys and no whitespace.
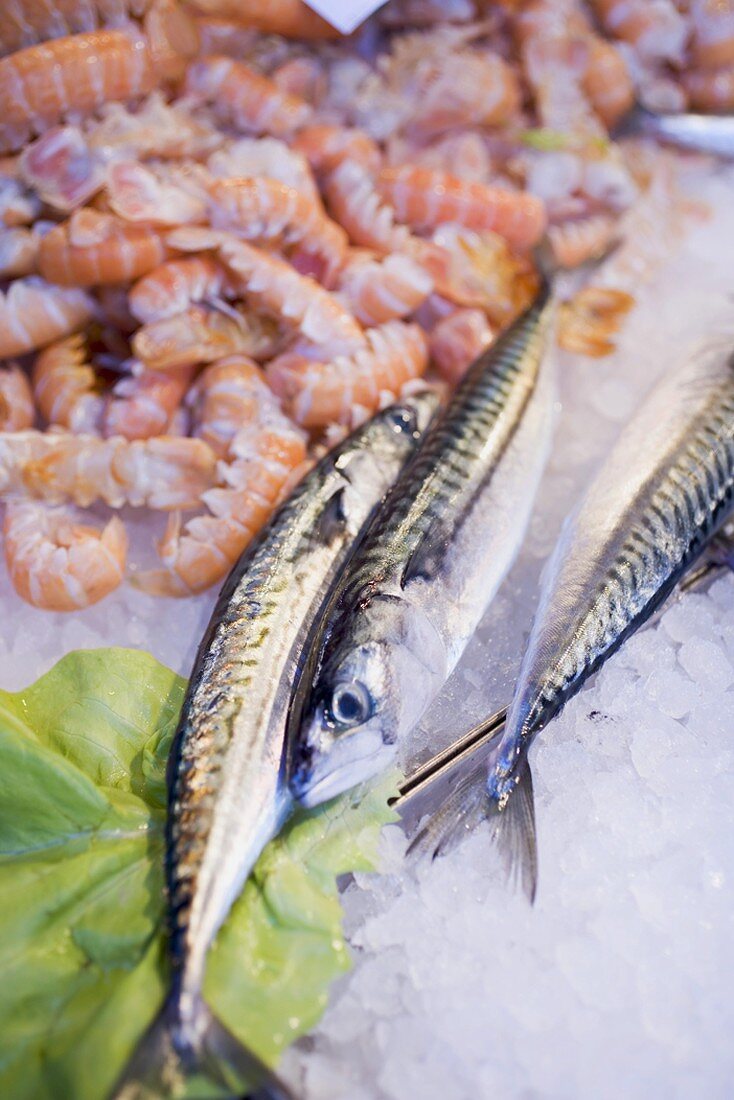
{"x":62,"y":169}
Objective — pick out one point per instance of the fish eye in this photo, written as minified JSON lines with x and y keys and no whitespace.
{"x":351,"y":704}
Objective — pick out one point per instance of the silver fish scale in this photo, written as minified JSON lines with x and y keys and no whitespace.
{"x":219,"y":690}
{"x":230,"y":725}
{"x":430,"y":499}
{"x":680,"y":516}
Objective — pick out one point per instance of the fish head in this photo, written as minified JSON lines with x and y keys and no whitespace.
{"x":366,"y":696}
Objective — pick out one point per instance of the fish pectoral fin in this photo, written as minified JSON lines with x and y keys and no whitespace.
{"x":512,"y":829}
{"x":159,"y":1067}
{"x":334,"y":518}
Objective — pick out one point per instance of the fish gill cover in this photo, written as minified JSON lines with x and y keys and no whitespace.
{"x":82,"y":953}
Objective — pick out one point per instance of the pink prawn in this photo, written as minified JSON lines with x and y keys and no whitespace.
{"x":241,"y":97}
{"x":262,"y":458}
{"x":58,"y":564}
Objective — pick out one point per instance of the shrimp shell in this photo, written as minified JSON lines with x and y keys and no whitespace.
{"x":144,"y":403}
{"x":575,"y":242}
{"x":66,"y":387}
{"x":27,"y":22}
{"x":202,"y":335}
{"x":93,"y":248}
{"x":33,"y":313}
{"x":17,"y":410}
{"x":425,"y":198}
{"x":243,"y":98}
{"x":88,"y":69}
{"x":263,"y":457}
{"x":164,"y":473}
{"x":57,"y":564}
{"x":590,"y":318}
{"x":712,"y":46}
{"x":273,"y":285}
{"x":380,"y":290}
{"x":654,"y":27}
{"x":457,"y":340}
{"x":175,"y":285}
{"x":224,"y":399}
{"x":290,"y":18}
{"x":316,"y":394}
{"x":263,"y":209}
{"x":325,"y":147}
{"x":607,"y":82}
{"x":710,"y":89}
{"x":18,"y":252}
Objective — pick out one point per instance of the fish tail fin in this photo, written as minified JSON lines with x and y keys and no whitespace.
{"x":166,"y":1058}
{"x":512,"y":827}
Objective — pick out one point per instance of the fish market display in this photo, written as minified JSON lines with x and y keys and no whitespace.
{"x":227,"y":795}
{"x":398,"y":620}
{"x":215,"y":180}
{"x":662,"y":494}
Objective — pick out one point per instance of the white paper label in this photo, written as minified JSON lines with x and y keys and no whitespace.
{"x":345,"y":15}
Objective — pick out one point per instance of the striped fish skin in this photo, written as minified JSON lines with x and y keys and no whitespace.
{"x":227,"y":797}
{"x":396,"y":625}
{"x":664,"y":491}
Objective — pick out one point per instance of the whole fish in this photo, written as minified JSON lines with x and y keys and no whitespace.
{"x":397,"y":621}
{"x":662,"y":494}
{"x":701,"y":133}
{"x":227,"y":796}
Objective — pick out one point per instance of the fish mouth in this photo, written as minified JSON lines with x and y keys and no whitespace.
{"x":315,"y":790}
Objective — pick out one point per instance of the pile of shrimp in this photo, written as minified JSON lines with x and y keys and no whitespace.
{"x":228,"y":235}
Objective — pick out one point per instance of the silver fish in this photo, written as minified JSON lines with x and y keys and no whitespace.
{"x":227,"y":797}
{"x":701,"y":133}
{"x":661,"y":496}
{"x":398,"y":620}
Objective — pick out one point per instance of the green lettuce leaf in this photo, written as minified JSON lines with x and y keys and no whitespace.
{"x":82,"y":953}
